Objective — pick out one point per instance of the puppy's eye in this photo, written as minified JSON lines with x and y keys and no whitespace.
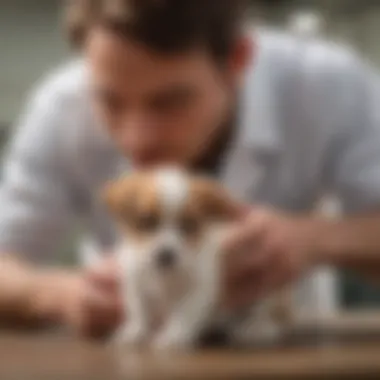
{"x":147,"y":223}
{"x":189,"y":226}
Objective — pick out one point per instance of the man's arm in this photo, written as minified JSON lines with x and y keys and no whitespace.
{"x":38,"y":201}
{"x":28,"y":297}
{"x":278,"y":248}
{"x":35,"y":208}
{"x":353,"y":242}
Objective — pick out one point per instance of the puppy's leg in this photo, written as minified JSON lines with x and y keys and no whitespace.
{"x":186,"y":322}
{"x":267,"y":323}
{"x":258,"y":328}
{"x":135,"y":331}
{"x":136,"y":328}
{"x":192,"y":313}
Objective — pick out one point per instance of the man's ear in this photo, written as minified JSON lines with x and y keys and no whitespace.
{"x":242,"y":55}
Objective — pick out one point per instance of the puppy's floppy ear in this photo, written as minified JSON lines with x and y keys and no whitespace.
{"x":110,"y":195}
{"x":118,"y":195}
{"x":216,"y":202}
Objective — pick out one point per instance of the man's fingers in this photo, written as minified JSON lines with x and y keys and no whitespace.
{"x":250,"y":250}
{"x":248,"y":263}
{"x":242,"y":210}
{"x":254,"y":284}
{"x":101,"y":307}
{"x":99,"y":298}
{"x":246,"y":233}
{"x":105,"y":275}
{"x":101,"y":310}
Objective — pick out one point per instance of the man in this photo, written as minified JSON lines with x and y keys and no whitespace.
{"x":278,"y":121}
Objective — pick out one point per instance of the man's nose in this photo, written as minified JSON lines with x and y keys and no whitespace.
{"x":142,"y":130}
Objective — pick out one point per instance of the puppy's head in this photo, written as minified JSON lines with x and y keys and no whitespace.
{"x":166,"y":215}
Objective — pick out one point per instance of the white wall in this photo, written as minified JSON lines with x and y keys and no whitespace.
{"x":351,"y":21}
{"x":363,"y":29}
{"x":30,"y":44}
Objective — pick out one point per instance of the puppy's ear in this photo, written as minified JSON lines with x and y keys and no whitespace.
{"x":118,"y":195}
{"x":111,"y":195}
{"x":216,"y":202}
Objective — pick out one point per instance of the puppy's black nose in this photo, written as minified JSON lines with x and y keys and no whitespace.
{"x":165,"y":258}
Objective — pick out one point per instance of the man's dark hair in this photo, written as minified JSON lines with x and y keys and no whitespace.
{"x":170,"y":26}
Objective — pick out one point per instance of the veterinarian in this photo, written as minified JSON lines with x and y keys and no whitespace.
{"x":280,"y":121}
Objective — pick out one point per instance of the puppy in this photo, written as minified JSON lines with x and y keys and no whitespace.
{"x":171,"y":225}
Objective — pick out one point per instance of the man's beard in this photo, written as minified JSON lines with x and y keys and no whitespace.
{"x":214,"y":148}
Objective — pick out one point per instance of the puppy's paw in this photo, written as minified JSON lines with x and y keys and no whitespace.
{"x":264,"y":333}
{"x":132,"y":335}
{"x":268,"y":333}
{"x":173,"y":339}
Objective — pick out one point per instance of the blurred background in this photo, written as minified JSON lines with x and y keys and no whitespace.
{"x":32,"y":43}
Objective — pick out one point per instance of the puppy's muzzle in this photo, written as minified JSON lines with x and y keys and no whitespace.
{"x":166,"y":258}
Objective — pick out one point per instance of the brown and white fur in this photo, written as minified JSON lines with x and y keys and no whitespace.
{"x":171,"y":224}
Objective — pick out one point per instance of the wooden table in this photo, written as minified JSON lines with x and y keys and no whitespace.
{"x":25,"y":357}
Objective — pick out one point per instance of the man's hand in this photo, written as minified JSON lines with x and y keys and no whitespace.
{"x":99,"y":310}
{"x":268,"y":250}
{"x":87,"y":302}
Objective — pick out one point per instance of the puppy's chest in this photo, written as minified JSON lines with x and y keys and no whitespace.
{"x":165,"y":292}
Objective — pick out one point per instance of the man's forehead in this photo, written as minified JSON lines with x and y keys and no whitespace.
{"x":107,"y":53}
